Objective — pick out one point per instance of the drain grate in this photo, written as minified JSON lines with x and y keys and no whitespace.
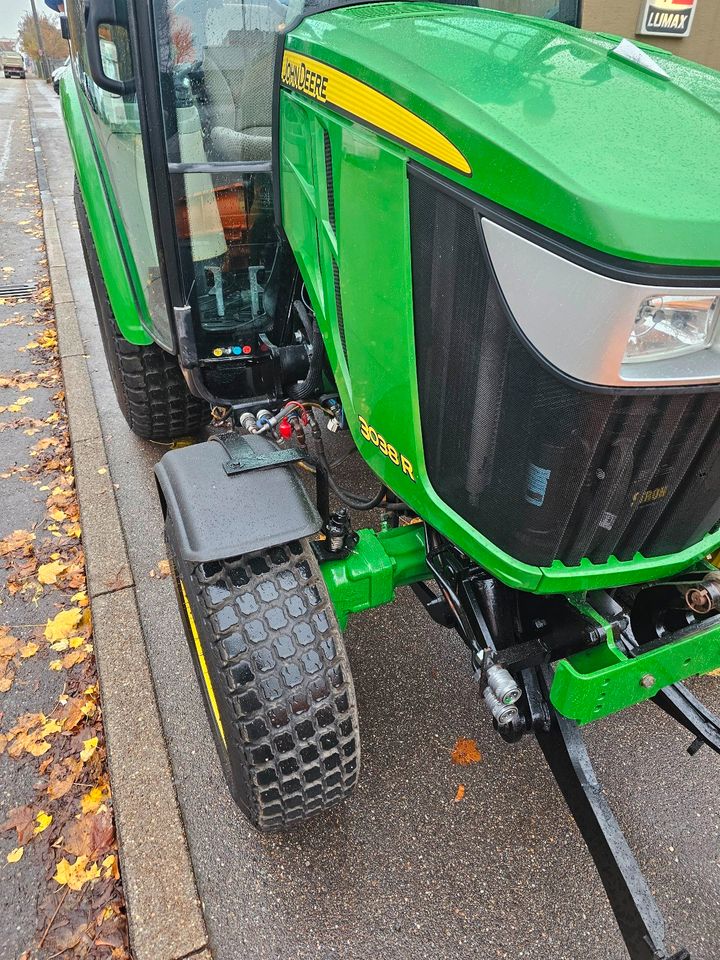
{"x":17,"y":289}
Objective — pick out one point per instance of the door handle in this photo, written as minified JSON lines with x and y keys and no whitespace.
{"x":111,"y":13}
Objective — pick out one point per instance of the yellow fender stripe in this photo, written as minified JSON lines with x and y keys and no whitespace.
{"x":362,"y":102}
{"x":203,"y":664}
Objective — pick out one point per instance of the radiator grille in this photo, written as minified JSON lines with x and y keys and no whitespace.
{"x":544,"y":469}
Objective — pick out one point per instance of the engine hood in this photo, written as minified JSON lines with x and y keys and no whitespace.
{"x":554,"y":126}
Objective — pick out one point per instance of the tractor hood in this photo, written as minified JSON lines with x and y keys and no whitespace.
{"x":553,"y":124}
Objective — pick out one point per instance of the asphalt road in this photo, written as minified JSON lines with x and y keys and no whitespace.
{"x":402,"y":871}
{"x":22,"y":505}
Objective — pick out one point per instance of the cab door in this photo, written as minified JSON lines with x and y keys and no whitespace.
{"x":101,"y":50}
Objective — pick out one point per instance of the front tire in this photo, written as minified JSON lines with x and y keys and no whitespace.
{"x":149,"y":386}
{"x":275,"y":678}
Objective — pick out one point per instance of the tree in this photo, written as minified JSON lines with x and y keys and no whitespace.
{"x":54,"y":45}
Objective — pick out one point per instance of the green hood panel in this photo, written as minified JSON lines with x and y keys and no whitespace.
{"x":553,"y":125}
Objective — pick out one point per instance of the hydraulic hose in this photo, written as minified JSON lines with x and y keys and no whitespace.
{"x":349,"y":499}
{"x":311,"y":384}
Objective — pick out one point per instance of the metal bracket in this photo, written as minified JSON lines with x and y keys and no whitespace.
{"x":243,"y":458}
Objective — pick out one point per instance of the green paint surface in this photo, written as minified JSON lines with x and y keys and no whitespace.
{"x":602,"y":680}
{"x":361,"y":231}
{"x":555,"y":127}
{"x":379,"y":563}
{"x":112,"y":248}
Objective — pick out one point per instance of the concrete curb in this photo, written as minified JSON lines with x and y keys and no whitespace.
{"x":164,"y":913}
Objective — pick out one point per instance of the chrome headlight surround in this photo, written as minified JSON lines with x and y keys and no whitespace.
{"x":584,"y":322}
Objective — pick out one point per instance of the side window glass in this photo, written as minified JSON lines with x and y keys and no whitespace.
{"x":219,"y":58}
{"x":115,"y":124}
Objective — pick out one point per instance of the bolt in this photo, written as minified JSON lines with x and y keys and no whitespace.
{"x":648,"y":681}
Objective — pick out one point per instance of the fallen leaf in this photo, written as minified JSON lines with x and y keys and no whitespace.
{"x":89,"y":748}
{"x":90,"y":836}
{"x":29,"y":650}
{"x":460,"y":794}
{"x":22,"y":821}
{"x":43,"y":821}
{"x":76,"y":875}
{"x":15,"y":855}
{"x":465,"y":752}
{"x":64,"y":624}
{"x":70,"y":659}
{"x":63,"y":776}
{"x":48,"y":573}
{"x":94,"y":799}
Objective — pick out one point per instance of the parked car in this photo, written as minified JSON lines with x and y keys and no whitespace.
{"x":13,"y":64}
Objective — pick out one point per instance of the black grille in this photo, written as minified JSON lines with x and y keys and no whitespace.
{"x":545,"y":469}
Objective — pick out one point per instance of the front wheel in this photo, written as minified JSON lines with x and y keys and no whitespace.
{"x":275,"y":679}
{"x":148,"y":382}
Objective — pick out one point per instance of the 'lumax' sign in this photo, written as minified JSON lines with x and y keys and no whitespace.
{"x":667,"y":18}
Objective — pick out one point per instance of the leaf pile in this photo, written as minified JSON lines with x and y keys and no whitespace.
{"x":67,"y":821}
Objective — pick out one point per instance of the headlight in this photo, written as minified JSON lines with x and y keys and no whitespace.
{"x":603,"y":329}
{"x":672,"y":325}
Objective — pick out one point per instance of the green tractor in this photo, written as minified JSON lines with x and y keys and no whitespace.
{"x":486,"y":247}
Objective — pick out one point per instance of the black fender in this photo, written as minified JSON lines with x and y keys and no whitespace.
{"x":215,"y":512}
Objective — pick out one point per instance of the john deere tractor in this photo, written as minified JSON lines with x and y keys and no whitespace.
{"x":483,"y":245}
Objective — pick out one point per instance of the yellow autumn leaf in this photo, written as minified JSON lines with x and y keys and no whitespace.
{"x":110,"y":867}
{"x":57,"y":514}
{"x":63,"y":625}
{"x":75,"y":642}
{"x":29,"y":650}
{"x":76,"y":875}
{"x":81,"y":598}
{"x":48,"y":573}
{"x":93,"y":799}
{"x":15,"y":854}
{"x":55,"y":665}
{"x":50,"y":727}
{"x":43,"y":821}
{"x":60,"y":645}
{"x":89,"y":748}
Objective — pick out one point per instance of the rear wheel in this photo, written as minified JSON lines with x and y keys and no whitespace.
{"x":149,"y":385}
{"x":276,"y":681}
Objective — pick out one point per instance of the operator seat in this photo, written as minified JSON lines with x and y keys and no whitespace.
{"x":239,"y":59}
